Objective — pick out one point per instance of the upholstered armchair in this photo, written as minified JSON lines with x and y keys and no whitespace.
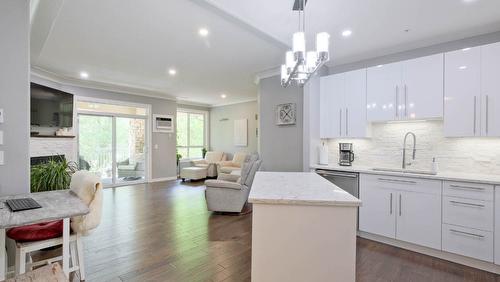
{"x":210,"y":162}
{"x":235,"y":164}
{"x":229,"y":192}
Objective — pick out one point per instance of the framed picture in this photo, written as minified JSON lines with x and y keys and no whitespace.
{"x":286,"y":114}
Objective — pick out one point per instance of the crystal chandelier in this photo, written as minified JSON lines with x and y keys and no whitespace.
{"x":299,"y":64}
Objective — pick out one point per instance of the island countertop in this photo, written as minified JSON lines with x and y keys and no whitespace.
{"x":298,"y":188}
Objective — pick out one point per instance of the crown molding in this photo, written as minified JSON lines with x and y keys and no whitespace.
{"x":234,"y":103}
{"x":100,"y":85}
{"x":266,"y":74}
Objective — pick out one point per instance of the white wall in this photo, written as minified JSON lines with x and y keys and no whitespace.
{"x":384,"y":149}
{"x":14,"y":95}
{"x":222,"y":127}
{"x":163,"y":158}
{"x":280,"y":146}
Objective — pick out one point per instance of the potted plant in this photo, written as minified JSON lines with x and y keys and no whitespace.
{"x":204,"y":152}
{"x":53,"y":175}
{"x":179,"y":157}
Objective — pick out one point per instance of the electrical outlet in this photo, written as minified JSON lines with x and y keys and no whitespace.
{"x":1,"y":158}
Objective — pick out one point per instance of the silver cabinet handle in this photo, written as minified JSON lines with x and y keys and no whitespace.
{"x":461,"y":187}
{"x":475,"y":104}
{"x":399,"y":204}
{"x":396,"y":106}
{"x":406,"y":101}
{"x":466,"y":233}
{"x":346,"y":121}
{"x":467,"y":204}
{"x":340,"y":123}
{"x":487,"y":114}
{"x":397,"y":180}
{"x":390,"y":204}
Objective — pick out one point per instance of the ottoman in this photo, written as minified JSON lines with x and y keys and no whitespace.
{"x":193,"y":173}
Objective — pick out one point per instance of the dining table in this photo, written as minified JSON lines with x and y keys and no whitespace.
{"x":55,"y":205}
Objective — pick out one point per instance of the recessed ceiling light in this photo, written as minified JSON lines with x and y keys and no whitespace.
{"x":347,"y":33}
{"x":469,"y":1}
{"x":466,"y":49}
{"x":223,"y":96}
{"x":203,"y":32}
{"x":379,"y":66}
{"x":462,"y":67}
{"x":172,"y":72}
{"x":84,"y":74}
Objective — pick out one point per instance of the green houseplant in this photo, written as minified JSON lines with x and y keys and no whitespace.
{"x":204,"y":152}
{"x":53,"y":175}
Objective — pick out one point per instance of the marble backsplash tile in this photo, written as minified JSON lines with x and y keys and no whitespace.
{"x":384,"y":149}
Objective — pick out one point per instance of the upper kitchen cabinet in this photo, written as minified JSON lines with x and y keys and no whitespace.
{"x":490,"y":90}
{"x":383,"y":88}
{"x":343,"y":105}
{"x":406,"y":90}
{"x":462,"y":92}
{"x":422,"y":89}
{"x":472,"y":92}
{"x":332,"y":89}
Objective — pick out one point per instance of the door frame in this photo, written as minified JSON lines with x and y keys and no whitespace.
{"x":148,"y":135}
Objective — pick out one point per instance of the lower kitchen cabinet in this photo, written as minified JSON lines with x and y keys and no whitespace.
{"x":468,"y":242}
{"x":419,"y":219}
{"x":401,"y":208}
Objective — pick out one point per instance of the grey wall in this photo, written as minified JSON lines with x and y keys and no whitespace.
{"x":163,"y":158}
{"x":420,"y":52}
{"x":222,"y":132}
{"x":14,"y":95}
{"x":280,"y":146}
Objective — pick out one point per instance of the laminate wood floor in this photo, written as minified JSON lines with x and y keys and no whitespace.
{"x":163,"y":232}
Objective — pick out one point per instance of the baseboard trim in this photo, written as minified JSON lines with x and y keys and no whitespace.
{"x":162,"y":179}
{"x":467,"y":261}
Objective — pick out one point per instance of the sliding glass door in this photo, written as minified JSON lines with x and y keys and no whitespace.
{"x":113,"y":142}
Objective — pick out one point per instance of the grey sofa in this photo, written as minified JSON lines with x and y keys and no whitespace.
{"x":229,"y":193}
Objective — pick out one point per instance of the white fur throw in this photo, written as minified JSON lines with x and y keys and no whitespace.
{"x":88,"y":188}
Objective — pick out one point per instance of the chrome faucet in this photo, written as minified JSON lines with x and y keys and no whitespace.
{"x":404,"y":149}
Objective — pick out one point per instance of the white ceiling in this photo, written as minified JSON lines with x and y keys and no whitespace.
{"x":133,"y":43}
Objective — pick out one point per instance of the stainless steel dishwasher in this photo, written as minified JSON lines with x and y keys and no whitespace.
{"x":347,"y":181}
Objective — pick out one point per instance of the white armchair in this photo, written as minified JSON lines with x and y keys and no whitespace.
{"x":206,"y":167}
{"x":235,"y":164}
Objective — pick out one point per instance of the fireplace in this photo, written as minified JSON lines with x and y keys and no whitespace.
{"x":45,"y":159}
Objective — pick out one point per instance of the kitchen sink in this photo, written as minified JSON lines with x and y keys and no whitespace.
{"x":412,"y":171}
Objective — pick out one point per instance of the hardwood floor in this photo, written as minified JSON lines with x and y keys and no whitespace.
{"x":163,"y":232}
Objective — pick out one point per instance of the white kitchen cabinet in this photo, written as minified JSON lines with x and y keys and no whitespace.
{"x":406,"y":90}
{"x":331,"y":106}
{"x":407,"y":209}
{"x":419,"y":219}
{"x":468,"y":242}
{"x":378,"y":211}
{"x":343,"y":105}
{"x":497,"y":225}
{"x":462,"y":92}
{"x":422,"y":88}
{"x":383,"y":89}
{"x":490,"y":90}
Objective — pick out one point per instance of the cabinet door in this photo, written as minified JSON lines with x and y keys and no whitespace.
{"x":462,"y":93}
{"x":377,"y":214}
{"x":384,"y":92}
{"x":419,"y":219}
{"x":422,"y":92}
{"x":355,"y":104}
{"x":332,"y":113}
{"x":497,"y":225}
{"x":490,"y":88}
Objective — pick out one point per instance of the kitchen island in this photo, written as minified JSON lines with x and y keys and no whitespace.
{"x":303,"y":228}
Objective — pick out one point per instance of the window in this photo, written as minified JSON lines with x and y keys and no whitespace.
{"x":191,"y":133}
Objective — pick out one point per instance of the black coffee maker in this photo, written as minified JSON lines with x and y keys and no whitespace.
{"x":346,"y":156}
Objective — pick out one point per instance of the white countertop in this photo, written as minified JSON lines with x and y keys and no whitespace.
{"x":298,"y":188}
{"x":450,"y":176}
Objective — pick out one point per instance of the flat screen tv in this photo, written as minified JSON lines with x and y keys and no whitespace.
{"x":50,"y":107}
